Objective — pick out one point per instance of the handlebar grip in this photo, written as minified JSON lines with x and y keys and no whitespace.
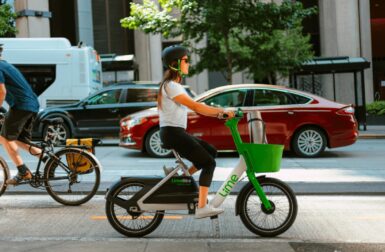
{"x":239,"y":113}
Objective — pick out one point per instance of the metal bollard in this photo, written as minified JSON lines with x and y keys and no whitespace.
{"x":257,"y":129}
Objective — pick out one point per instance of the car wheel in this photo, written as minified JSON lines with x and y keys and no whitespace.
{"x":153,"y":145}
{"x":309,"y":142}
{"x":58,"y":133}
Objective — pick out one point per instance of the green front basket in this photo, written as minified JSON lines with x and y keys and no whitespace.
{"x":262,"y":157}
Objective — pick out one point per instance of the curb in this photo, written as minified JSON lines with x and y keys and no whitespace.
{"x":371,"y":136}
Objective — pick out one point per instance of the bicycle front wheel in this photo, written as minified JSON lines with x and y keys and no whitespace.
{"x":268,"y":222}
{"x":4,"y":175}
{"x":72,"y":177}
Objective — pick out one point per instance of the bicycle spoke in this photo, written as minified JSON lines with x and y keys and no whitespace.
{"x":268,"y":220}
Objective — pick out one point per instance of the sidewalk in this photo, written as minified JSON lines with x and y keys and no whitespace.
{"x":372,"y":132}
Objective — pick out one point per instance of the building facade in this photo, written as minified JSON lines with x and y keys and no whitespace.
{"x":352,"y":28}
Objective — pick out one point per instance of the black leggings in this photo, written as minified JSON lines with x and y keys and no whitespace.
{"x":197,"y":151}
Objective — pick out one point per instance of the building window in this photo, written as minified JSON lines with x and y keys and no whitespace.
{"x":377,"y":22}
{"x":109,"y":36}
{"x":311,"y":26}
{"x":63,"y":21}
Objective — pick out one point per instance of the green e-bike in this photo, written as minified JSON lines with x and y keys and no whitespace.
{"x":135,"y":206}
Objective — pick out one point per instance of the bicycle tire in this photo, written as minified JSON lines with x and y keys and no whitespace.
{"x":249,"y":194}
{"x":4,"y":175}
{"x":62,"y":190}
{"x":115,"y":218}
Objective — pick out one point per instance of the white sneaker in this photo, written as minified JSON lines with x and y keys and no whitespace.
{"x":207,"y":211}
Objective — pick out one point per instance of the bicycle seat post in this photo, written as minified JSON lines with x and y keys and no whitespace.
{"x":181,"y":163}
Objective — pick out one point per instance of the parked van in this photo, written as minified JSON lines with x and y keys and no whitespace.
{"x":58,"y":72}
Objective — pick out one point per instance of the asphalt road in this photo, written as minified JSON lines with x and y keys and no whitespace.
{"x":358,"y":168}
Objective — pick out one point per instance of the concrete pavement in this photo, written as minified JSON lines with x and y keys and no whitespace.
{"x":324,"y":223}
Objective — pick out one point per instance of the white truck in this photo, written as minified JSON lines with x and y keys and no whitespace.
{"x":58,"y":72}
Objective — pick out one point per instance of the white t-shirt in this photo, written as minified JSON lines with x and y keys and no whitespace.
{"x":172,"y":113}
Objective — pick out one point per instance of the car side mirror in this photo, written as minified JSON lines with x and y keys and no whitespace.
{"x":84,"y":104}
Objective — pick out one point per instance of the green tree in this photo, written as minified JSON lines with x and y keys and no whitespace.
{"x":261,"y":38}
{"x":7,"y":20}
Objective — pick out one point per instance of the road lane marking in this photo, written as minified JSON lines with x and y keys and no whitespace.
{"x":167,"y":217}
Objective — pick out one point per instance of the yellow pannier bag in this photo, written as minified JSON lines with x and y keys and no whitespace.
{"x":76,"y":161}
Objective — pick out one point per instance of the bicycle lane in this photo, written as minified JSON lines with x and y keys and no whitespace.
{"x":331,"y":221}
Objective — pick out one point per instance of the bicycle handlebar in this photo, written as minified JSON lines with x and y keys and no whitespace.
{"x":237,"y":114}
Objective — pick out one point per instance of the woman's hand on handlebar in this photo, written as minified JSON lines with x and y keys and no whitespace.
{"x":226,"y":114}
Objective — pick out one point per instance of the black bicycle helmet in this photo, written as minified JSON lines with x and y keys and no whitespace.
{"x":173,"y":53}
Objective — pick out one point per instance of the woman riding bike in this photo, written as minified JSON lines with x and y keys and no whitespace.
{"x":173,"y":102}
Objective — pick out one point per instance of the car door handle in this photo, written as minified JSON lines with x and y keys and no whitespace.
{"x":290,"y":112}
{"x":114,"y":110}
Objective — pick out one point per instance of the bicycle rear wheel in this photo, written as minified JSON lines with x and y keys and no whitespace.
{"x":73,"y":178}
{"x":131,"y":223}
{"x":4,"y":175}
{"x":268,"y":222}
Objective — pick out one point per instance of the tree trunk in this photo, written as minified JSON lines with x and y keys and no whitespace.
{"x":229,"y":70}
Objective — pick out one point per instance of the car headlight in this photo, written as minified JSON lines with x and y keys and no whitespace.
{"x":133,"y":122}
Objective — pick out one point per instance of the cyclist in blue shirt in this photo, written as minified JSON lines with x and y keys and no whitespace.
{"x":16,"y":131}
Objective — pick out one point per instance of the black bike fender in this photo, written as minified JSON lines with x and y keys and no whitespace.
{"x":146,"y":181}
{"x":242,"y":194}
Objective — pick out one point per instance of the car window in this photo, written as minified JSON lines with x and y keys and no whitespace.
{"x":141,"y":95}
{"x":108,"y":97}
{"x":267,"y":97}
{"x":299,"y":99}
{"x":235,"y":98}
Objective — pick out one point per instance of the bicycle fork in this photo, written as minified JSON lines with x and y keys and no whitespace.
{"x":258,"y":189}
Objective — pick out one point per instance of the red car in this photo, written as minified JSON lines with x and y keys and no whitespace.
{"x":303,"y":122}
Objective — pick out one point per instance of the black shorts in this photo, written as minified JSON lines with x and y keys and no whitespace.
{"x":18,"y":125}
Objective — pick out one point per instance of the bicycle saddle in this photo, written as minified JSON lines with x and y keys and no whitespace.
{"x":52,"y":121}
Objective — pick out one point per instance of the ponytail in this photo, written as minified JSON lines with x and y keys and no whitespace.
{"x":169,"y":75}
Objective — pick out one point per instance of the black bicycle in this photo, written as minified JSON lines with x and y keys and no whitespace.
{"x":71,"y":175}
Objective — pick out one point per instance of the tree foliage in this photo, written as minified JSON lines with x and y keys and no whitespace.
{"x":7,"y":20}
{"x":263,"y":39}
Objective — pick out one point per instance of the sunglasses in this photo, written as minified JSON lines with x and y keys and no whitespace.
{"x":186,"y":60}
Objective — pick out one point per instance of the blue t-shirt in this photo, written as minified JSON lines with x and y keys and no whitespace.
{"x":19,"y":93}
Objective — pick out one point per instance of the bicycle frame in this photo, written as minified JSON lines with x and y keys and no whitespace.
{"x":238,"y":172}
{"x":224,"y":190}
{"x":153,"y":207}
{"x":46,"y":147}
